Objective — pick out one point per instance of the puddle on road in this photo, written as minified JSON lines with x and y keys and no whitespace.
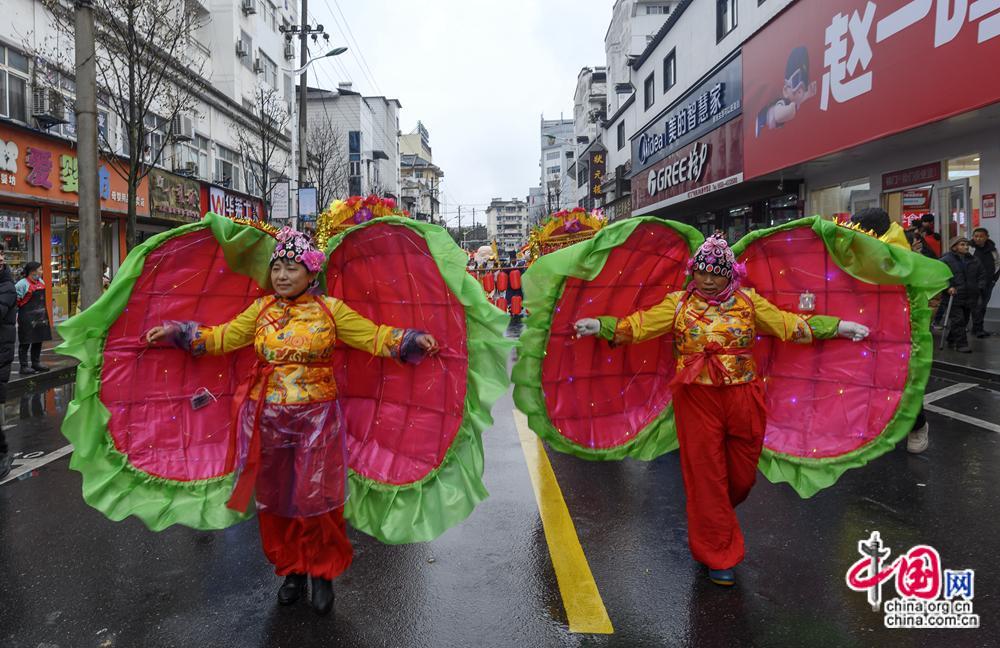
{"x":34,"y":405}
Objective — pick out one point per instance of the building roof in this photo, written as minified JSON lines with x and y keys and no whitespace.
{"x":658,"y":37}
{"x":414,"y":160}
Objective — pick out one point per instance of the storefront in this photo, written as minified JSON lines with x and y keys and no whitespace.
{"x":898,"y":110}
{"x":688,"y":163}
{"x":173,"y":200}
{"x":39,"y":184}
{"x":232,"y":204}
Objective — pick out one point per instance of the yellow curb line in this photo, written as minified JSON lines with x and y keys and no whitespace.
{"x":584,"y":606}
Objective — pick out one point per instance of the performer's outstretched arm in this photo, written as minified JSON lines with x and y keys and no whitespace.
{"x":357,"y":331}
{"x":212,"y":340}
{"x":791,"y":327}
{"x":637,"y":327}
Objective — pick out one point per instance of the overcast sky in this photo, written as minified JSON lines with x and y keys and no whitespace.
{"x":477,"y":73}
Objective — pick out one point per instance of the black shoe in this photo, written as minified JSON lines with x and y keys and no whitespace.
{"x":964,"y":349}
{"x":26,"y":371}
{"x":5,"y":462}
{"x":322,"y":595}
{"x":982,"y":334}
{"x":292,"y":589}
{"x":40,"y":368}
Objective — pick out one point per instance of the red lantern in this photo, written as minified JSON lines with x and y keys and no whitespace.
{"x":515,"y":279}
{"x":515,"y":304}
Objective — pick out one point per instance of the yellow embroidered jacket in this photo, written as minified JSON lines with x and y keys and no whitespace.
{"x":726,"y":331}
{"x":296,"y":338}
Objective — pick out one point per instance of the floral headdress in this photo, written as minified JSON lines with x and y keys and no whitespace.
{"x":296,"y":246}
{"x":716,"y":257}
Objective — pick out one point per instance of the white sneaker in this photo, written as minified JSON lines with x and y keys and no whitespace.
{"x":917,"y":441}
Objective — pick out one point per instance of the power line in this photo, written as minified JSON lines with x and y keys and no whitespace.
{"x":363,"y":62}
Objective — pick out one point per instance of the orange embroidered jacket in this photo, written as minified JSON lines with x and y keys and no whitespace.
{"x":297,"y":339}
{"x":713,"y":343}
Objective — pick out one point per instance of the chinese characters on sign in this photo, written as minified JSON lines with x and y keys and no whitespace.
{"x":841,"y":62}
{"x":924,"y":174}
{"x":929,"y":596}
{"x":174,"y":198}
{"x":826,"y":76}
{"x":597,"y":169}
{"x":989,"y":205}
{"x":36,"y":166}
{"x":708,"y":106}
{"x":231,"y":205}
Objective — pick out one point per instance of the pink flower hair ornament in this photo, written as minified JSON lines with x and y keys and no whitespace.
{"x":296,"y":246}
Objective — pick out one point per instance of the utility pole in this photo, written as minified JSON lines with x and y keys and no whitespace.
{"x":303,"y":101}
{"x":91,"y":259}
{"x":461,"y":237}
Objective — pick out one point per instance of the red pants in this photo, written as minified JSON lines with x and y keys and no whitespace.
{"x":315,"y":545}
{"x":721,"y":432}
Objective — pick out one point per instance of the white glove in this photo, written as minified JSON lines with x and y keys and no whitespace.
{"x":852,"y":330}
{"x":587,"y":326}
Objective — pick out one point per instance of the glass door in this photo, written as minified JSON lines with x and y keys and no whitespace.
{"x":954,"y":217}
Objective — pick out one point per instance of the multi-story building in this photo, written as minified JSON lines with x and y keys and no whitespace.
{"x":633,"y":25}
{"x":420,"y":178}
{"x":507,"y":224}
{"x":536,"y":206}
{"x":589,"y":113}
{"x":368,"y":129}
{"x":748,"y":114}
{"x":236,"y":51}
{"x":558,"y":153}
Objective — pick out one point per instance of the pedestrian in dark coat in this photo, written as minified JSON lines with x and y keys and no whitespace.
{"x":986,"y":253}
{"x":967,"y":282}
{"x":32,"y":318}
{"x":8,"y":318}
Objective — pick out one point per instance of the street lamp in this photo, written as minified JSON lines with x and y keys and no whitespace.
{"x":303,"y":102}
{"x":336,"y":51}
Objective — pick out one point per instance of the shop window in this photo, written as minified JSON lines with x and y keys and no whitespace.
{"x":65,"y":262}
{"x":725,"y":18}
{"x":13,"y":84}
{"x":840,"y":201}
{"x":649,"y":91}
{"x":18,"y":233}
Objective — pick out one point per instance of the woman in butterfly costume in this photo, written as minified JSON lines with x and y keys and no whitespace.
{"x":718,"y":397}
{"x":224,"y":363}
{"x":291,"y":449}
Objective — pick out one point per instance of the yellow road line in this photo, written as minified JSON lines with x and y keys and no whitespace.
{"x":584,"y":607}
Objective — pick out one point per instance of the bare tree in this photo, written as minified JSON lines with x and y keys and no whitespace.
{"x":328,"y":163}
{"x":261,"y":142}
{"x":145,"y":74}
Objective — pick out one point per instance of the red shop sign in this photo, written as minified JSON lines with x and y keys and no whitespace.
{"x":827,"y":75}
{"x":708,"y":164}
{"x":913,"y":176}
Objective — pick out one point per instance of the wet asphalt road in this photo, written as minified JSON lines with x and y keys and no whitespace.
{"x":71,"y":578}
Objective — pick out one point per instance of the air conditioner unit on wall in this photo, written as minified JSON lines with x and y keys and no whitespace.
{"x":258,"y":66}
{"x":47,"y":102}
{"x":249,"y":7}
{"x":241,"y":48}
{"x":186,"y":168}
{"x":182,"y":128}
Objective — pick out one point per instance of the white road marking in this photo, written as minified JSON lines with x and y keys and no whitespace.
{"x":34,"y":464}
{"x":971,"y":420}
{"x":946,"y":392}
